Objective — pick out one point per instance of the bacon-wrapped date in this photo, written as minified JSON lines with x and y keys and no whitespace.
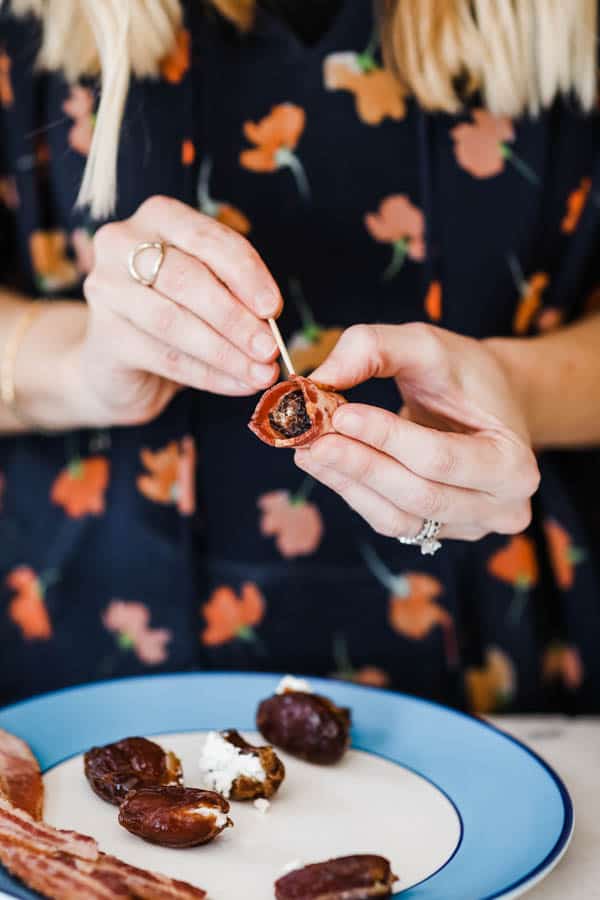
{"x":294,"y":413}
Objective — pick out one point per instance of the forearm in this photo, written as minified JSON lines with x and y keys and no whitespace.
{"x":46,"y":384}
{"x":557,"y":377}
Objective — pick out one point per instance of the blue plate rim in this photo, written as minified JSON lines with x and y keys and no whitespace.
{"x":545,"y":865}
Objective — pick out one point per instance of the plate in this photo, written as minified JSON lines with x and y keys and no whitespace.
{"x":463,"y":811}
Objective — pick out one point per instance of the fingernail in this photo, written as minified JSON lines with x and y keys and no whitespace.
{"x":261,"y":374}
{"x":263,"y":345}
{"x":267,"y":303}
{"x":347,"y":421}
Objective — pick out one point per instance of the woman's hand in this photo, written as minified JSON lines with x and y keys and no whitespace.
{"x":460,"y":451}
{"x":201,"y":325}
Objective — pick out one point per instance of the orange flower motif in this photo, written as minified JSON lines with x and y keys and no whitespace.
{"x":413,"y":611}
{"x":172,"y":475}
{"x":9,"y":194}
{"x":27,"y":608}
{"x":376,"y":91}
{"x":433,"y":301}
{"x":229,"y":617}
{"x":295,"y":524}
{"x":399,"y":223}
{"x":81,"y":486}
{"x":222,"y":212}
{"x":188,"y":152}
{"x":130,"y":622}
{"x":309,"y":347}
{"x":564,"y":555}
{"x":530,"y":301}
{"x":481,"y":146}
{"x":563,"y":662}
{"x":516,"y":564}
{"x":275,"y":138}
{"x":80,"y":107}
{"x":53,"y":269}
{"x":177,"y":62}
{"x":575,"y":205}
{"x":491,"y":688}
{"x":83,"y":245}
{"x":549,"y":319}
{"x":369,"y":675}
{"x":7,"y":98}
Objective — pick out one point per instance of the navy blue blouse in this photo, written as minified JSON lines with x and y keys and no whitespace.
{"x":186,"y":543}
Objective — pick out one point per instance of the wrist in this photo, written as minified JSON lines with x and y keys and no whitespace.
{"x":519,"y":360}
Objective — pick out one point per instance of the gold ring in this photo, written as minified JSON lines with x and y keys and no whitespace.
{"x":147,"y":245}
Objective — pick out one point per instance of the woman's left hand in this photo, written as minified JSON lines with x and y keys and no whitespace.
{"x":460,"y":451}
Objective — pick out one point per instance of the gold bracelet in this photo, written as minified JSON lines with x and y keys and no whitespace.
{"x":11,"y":350}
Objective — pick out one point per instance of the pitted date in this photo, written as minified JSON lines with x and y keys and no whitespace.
{"x":306,"y":725}
{"x":135,"y":762}
{"x":175,"y":816}
{"x":347,"y":878}
{"x":247,"y":788}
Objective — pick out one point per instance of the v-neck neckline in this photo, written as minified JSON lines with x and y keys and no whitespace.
{"x":268,"y":24}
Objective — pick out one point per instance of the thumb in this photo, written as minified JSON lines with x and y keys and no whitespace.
{"x":381,"y":351}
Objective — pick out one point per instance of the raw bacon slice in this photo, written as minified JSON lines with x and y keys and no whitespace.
{"x":20,"y":777}
{"x":59,"y":877}
{"x":294,"y":413}
{"x":148,"y":885}
{"x":18,"y":827}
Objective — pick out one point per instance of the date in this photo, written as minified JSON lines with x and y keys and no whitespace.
{"x":175,"y":816}
{"x":346,"y":878}
{"x":306,"y":725}
{"x":130,"y":764}
{"x":246,"y":787}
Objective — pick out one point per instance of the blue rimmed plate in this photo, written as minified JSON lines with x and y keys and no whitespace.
{"x":463,"y":811}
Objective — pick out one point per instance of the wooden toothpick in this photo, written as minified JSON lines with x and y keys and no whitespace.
{"x":282,"y":348}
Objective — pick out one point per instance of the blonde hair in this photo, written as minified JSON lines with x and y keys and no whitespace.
{"x":519,"y":54}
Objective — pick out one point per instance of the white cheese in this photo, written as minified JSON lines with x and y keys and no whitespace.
{"x":262,"y":805}
{"x":292,"y":866}
{"x":220,"y":817}
{"x":291,"y":683}
{"x":221,"y":763}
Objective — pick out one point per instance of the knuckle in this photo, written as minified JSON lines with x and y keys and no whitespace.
{"x":360,"y":463}
{"x":154,"y":206}
{"x":517,"y":520}
{"x":429,"y":340}
{"x":173,"y":361}
{"x":431,"y":503}
{"x":364,"y":339}
{"x":106,"y":238}
{"x":442,"y":462}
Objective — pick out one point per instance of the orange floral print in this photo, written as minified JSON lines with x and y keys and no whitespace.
{"x":549,"y":319}
{"x":83,"y":246}
{"x":433,"y":301}
{"x":309,"y":347}
{"x":27,"y":609}
{"x":275,"y":138}
{"x":295,"y":523}
{"x":81,"y":486}
{"x":564,"y":555}
{"x":80,"y":107}
{"x":482,"y":146}
{"x":413,"y":611}
{"x":7,"y":97}
{"x":563,"y":662}
{"x":177,"y":62}
{"x":130,"y":622}
{"x":516,"y":564}
{"x":491,"y":688}
{"x":530,"y":301}
{"x":399,"y":223}
{"x":222,"y":212}
{"x":188,"y":152}
{"x":53,"y":269}
{"x":345,"y":671}
{"x":171,"y":477}
{"x":376,"y":91}
{"x":575,"y":205}
{"x":9,"y":194}
{"x":229,"y":617}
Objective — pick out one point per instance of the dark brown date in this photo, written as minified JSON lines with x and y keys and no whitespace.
{"x":175,"y":816}
{"x":305,"y":725}
{"x":116,"y":769}
{"x":347,"y":878}
{"x":245,"y":788}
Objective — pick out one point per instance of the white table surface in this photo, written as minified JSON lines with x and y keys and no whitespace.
{"x":572,"y":748}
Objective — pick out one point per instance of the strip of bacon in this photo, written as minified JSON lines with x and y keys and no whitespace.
{"x":149,"y":885}
{"x":309,"y":412}
{"x":18,"y":827}
{"x":20,"y":777}
{"x":57,"y":877}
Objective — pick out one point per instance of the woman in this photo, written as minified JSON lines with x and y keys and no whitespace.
{"x":434,"y":214}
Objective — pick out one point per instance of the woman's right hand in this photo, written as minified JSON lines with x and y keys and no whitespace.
{"x":201,"y":325}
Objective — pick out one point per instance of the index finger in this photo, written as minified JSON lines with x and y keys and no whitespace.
{"x":231,"y":258}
